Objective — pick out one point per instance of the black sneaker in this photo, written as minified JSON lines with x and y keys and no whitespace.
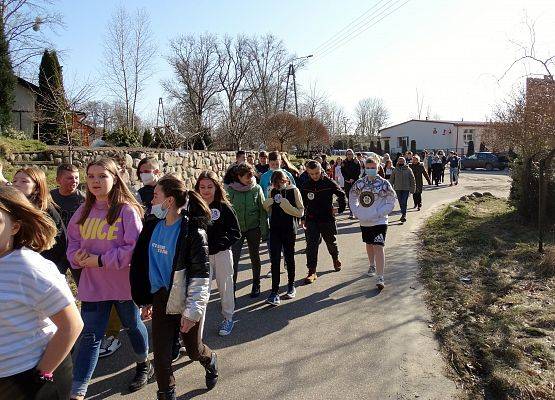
{"x":212,"y":372}
{"x":143,"y":373}
{"x":403,"y":218}
{"x":255,"y":292}
{"x":169,"y":395}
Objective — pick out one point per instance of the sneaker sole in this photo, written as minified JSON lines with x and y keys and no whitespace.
{"x":224,"y":333}
{"x":288,"y":296}
{"x":108,"y":353}
{"x":272,"y":303}
{"x":380,"y":286}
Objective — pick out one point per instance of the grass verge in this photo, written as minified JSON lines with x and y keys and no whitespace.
{"x":492,"y":298}
{"x":9,"y":146}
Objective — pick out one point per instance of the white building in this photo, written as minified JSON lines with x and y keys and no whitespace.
{"x":432,"y":135}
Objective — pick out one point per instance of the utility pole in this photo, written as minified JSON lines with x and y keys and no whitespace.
{"x":291,"y":72}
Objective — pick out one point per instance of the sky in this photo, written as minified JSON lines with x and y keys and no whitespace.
{"x":452,"y":51}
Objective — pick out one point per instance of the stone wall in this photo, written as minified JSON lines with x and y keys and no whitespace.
{"x":187,"y":164}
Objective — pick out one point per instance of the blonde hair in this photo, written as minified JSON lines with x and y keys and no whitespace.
{"x":373,"y":157}
{"x":37,"y":231}
{"x":117,"y":198}
{"x":41,"y":196}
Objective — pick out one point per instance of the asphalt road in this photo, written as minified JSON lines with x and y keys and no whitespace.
{"x":338,"y":339}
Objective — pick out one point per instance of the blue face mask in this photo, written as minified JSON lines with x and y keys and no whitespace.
{"x":158,"y":211}
{"x":371,"y":171}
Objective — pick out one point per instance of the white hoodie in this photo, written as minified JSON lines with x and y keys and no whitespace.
{"x":371,"y":200}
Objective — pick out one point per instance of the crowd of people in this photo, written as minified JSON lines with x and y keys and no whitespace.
{"x":150,"y":255}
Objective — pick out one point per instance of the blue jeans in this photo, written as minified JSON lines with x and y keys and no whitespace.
{"x":454,"y":175}
{"x":95,"y":318}
{"x":403,"y":196}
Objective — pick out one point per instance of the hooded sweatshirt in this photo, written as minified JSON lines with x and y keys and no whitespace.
{"x":114,"y":243}
{"x":371,"y":200}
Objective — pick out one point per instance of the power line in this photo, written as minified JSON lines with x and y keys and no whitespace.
{"x":332,"y":38}
{"x":366,"y":20}
{"x":388,"y":10}
{"x":361,"y":30}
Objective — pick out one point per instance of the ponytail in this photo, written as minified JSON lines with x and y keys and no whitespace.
{"x":197,"y":209}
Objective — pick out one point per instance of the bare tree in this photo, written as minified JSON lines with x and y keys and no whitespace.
{"x":371,"y":115}
{"x":26,"y":24}
{"x":529,"y":52}
{"x":238,"y":110}
{"x":129,"y":50}
{"x":268,"y":74}
{"x":314,"y":103}
{"x":419,"y":104}
{"x":196,"y":85}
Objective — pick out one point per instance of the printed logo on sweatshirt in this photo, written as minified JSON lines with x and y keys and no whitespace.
{"x":98,"y":229}
{"x":310,"y":196}
{"x":160,"y":248}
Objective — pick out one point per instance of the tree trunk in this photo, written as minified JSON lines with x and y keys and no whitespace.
{"x":545,"y":166}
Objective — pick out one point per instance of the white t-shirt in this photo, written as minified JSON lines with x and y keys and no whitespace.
{"x":31,"y":290}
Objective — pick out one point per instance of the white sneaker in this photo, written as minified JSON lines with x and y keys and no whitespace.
{"x":108,"y":346}
{"x":371,"y":270}
{"x":269,"y":274}
{"x":380,"y":283}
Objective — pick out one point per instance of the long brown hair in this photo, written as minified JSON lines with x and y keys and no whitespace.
{"x":41,"y":196}
{"x":37,"y":230}
{"x":117,"y":198}
{"x":174,"y":187}
{"x":220,"y":196}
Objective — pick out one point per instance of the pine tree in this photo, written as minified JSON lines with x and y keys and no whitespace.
{"x":147,"y":138}
{"x":7,"y":82}
{"x":470,"y":149}
{"x":51,"y":97}
{"x":379,"y":147}
{"x":386,"y":147}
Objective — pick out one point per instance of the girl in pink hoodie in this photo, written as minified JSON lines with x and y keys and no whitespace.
{"x":101,"y":237}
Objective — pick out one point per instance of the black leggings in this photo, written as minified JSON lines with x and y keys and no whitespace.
{"x":26,"y":386}
{"x":279,"y":241}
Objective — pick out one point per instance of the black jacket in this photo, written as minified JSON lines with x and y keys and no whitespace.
{"x":57,"y":254}
{"x":318,"y":199}
{"x":350,"y":169}
{"x":224,"y":229}
{"x":191,"y":256}
{"x":147,"y":195}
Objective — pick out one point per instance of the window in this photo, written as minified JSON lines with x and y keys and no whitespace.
{"x":403,"y":141}
{"x":467,"y":137}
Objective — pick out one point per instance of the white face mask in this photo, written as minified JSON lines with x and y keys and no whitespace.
{"x":148,"y":177}
{"x":158,"y":211}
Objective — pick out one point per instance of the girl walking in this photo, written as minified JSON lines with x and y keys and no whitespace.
{"x":247,"y":200}
{"x":285,"y":206}
{"x":223,"y":231}
{"x":170,"y":275}
{"x":39,"y":322}
{"x":32,"y":183}
{"x":102,"y":235}
{"x":372,"y":198}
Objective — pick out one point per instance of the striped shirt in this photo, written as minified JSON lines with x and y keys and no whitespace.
{"x":31,"y":290}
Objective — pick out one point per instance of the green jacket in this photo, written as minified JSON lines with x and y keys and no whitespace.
{"x":250,"y":209}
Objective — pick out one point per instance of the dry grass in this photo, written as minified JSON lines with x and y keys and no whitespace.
{"x":496,"y":329}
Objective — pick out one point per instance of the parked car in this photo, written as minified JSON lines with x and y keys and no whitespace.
{"x":487,"y":160}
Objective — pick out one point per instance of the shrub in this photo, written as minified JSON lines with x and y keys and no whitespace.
{"x":9,"y":146}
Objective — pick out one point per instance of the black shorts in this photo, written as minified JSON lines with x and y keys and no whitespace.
{"x":374,"y":234}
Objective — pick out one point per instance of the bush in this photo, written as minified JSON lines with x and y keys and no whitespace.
{"x":9,"y":146}
{"x":123,"y":138}
{"x":13,"y":133}
{"x":524,"y":194}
